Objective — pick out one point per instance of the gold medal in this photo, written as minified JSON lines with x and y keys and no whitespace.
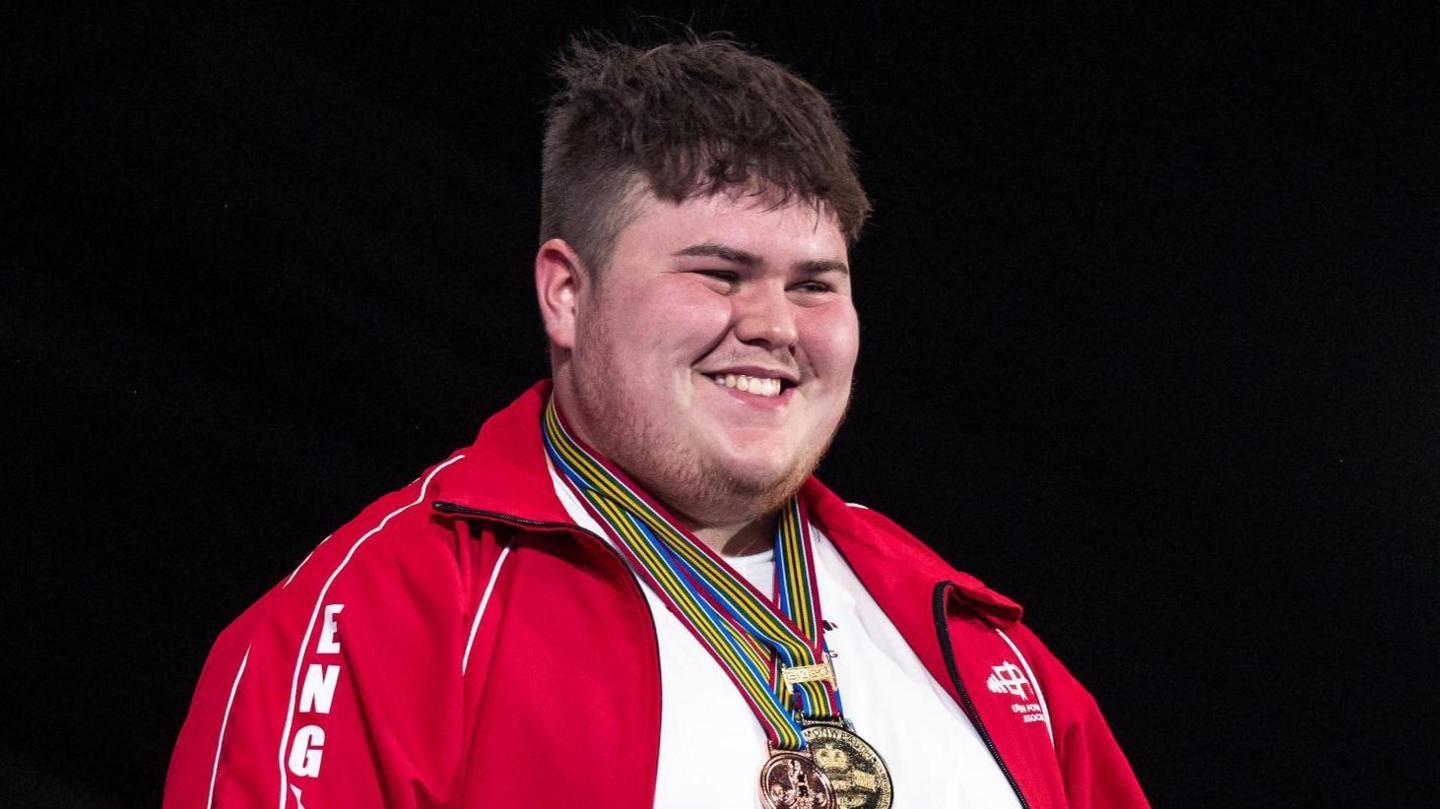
{"x":790,"y":780}
{"x":856,"y":773}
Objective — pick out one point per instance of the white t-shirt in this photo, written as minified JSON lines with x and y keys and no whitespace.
{"x":711,"y":745}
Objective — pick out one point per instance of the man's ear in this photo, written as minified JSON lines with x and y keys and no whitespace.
{"x":559,"y":277}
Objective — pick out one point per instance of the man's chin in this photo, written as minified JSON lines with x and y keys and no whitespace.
{"x":767,"y":485}
{"x":753,"y":467}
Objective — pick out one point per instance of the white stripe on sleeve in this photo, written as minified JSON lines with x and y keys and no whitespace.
{"x":484,"y":602}
{"x":1034,"y":683}
{"x":224,"y":722}
{"x":315,"y":613}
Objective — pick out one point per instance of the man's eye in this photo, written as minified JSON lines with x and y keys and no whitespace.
{"x":726,"y":276}
{"x":813,"y":286}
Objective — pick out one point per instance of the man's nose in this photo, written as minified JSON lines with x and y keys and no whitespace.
{"x":764,"y":315}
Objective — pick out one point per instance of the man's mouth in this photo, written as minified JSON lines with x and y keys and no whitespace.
{"x":767,"y":387}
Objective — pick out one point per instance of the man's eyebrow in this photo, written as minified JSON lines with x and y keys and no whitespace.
{"x":822,"y":266}
{"x":735,"y":255}
{"x":720,"y":251}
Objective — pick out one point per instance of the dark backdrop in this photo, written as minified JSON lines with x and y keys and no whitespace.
{"x":1150,"y":344}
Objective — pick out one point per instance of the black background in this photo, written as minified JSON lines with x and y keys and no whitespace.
{"x":1150,"y":344}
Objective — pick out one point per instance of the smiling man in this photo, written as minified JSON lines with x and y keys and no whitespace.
{"x":631,"y":591}
{"x":724,"y":327}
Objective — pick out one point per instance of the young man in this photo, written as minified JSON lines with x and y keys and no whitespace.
{"x":630,"y":591}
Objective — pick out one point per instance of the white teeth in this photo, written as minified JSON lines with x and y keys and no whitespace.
{"x":756,"y":386}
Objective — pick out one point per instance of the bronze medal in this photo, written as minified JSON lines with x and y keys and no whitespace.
{"x":790,"y":780}
{"x":856,"y":773}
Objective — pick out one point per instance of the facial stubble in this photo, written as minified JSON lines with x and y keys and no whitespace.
{"x":670,"y":467}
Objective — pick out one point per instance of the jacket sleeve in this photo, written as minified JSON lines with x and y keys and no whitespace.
{"x":343,"y":685}
{"x":1097,"y":774}
{"x":1094,"y":771}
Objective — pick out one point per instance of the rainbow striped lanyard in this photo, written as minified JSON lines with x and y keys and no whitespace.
{"x":774,"y":652}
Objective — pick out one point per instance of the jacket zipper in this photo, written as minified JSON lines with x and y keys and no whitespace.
{"x":455,"y":508}
{"x":942,"y":628}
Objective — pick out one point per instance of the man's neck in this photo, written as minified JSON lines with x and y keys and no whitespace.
{"x":727,"y":537}
{"x":739,"y":539}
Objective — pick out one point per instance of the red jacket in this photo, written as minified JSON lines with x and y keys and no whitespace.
{"x":462,"y":643}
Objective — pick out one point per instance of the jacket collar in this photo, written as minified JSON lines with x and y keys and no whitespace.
{"x":892,"y":564}
{"x":504,"y":474}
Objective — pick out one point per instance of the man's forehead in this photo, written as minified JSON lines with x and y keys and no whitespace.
{"x":738,"y":225}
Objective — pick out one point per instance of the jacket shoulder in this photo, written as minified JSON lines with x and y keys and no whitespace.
{"x":395,"y":532}
{"x":911,"y":552}
{"x":306,"y":674}
{"x":986,"y":629}
{"x":1094,"y":769}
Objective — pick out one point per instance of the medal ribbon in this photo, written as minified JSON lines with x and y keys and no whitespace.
{"x":753,"y":640}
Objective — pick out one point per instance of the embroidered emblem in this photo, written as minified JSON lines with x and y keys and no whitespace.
{"x":1007,"y":678}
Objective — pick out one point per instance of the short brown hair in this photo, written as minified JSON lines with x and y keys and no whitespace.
{"x":686,"y":118}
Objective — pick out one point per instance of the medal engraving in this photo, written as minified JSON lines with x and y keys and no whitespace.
{"x":791,"y":780}
{"x":856,"y":773}
{"x":808,"y":674}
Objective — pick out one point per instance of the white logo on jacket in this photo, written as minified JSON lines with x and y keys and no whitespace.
{"x":1008,"y":678}
{"x":316,"y":696}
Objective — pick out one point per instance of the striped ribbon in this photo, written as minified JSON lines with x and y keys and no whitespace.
{"x":751,"y":638}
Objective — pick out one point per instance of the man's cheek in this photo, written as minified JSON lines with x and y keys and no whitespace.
{"x":832,"y":342}
{"x":688,"y":324}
